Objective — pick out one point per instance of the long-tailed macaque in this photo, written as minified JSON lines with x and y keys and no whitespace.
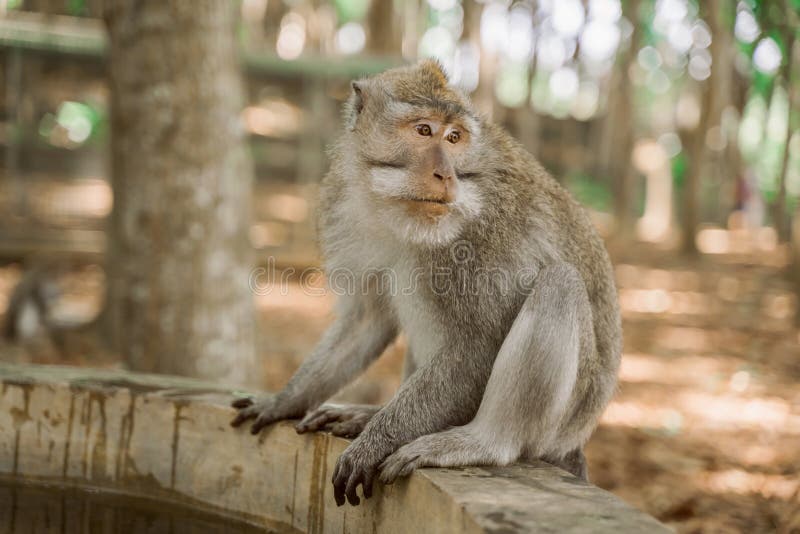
{"x":501,"y":285}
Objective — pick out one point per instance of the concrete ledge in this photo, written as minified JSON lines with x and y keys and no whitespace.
{"x":168,"y":438}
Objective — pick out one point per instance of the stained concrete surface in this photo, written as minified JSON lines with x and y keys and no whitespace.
{"x":168,"y":438}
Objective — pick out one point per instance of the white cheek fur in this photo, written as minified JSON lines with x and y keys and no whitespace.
{"x":392,"y":183}
{"x":388,"y":181}
{"x":468,"y":199}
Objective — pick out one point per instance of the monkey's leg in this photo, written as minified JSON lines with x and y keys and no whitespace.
{"x":528,"y":392}
{"x":346,"y":421}
{"x":574,"y":462}
{"x":360,"y":333}
{"x":409,"y":365}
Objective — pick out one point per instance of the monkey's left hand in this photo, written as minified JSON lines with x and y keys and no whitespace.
{"x":358,"y":464}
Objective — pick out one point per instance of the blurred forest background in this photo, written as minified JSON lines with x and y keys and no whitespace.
{"x":677,"y":122}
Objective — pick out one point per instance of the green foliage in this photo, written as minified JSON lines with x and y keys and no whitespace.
{"x":646,"y":14}
{"x":77,"y":7}
{"x":762,"y":83}
{"x":778,"y":36}
{"x":77,"y":122}
{"x":590,"y":191}
{"x":511,"y":85}
{"x":679,"y":165}
{"x":348,"y":10}
{"x":769,"y":167}
{"x":762,"y":137}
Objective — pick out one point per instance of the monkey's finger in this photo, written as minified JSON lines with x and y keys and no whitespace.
{"x":340,"y":476}
{"x":243,"y":402}
{"x":409,"y":467}
{"x":369,"y":478}
{"x":339,"y":481}
{"x":261,"y":421}
{"x":388,"y":471}
{"x":242,"y":416}
{"x":343,"y":429}
{"x":393,"y":467}
{"x":313,"y":421}
{"x":352,"y":487}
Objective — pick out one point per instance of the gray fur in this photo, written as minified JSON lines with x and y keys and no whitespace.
{"x":500,"y":367}
{"x":346,"y":421}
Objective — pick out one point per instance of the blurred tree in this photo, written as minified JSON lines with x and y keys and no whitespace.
{"x":619,"y":127}
{"x":383,"y":37}
{"x":786,"y":75}
{"x":272,"y":20}
{"x":526,"y":122}
{"x":45,"y":6}
{"x":792,"y":128}
{"x":178,"y":298}
{"x":723,"y":85}
{"x":714,"y":96}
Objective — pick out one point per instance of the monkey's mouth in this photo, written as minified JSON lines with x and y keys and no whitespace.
{"x":428,"y":200}
{"x":430,"y":208}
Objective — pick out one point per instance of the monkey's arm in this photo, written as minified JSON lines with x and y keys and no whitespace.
{"x":444,"y":392}
{"x":361,"y":331}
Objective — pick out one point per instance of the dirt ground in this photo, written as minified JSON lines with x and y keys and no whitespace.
{"x":704,"y":432}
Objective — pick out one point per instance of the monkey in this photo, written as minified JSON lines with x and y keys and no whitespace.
{"x":497,"y":278}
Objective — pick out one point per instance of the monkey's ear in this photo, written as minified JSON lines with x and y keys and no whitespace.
{"x":355,"y":104}
{"x":358,"y":97}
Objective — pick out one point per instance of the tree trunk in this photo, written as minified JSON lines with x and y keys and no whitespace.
{"x":50,"y":7}
{"x":710,"y":114}
{"x":720,"y":167}
{"x":618,"y":131}
{"x":178,"y":299}
{"x":381,"y":27}
{"x":529,"y":121}
{"x":779,"y":206}
{"x":272,"y":23}
{"x":793,"y":87}
{"x":794,"y":272}
{"x":729,"y":196}
{"x":484,"y":94}
{"x":691,"y":185}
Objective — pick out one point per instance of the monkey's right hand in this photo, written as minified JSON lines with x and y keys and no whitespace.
{"x":265,"y":411}
{"x":346,"y":421}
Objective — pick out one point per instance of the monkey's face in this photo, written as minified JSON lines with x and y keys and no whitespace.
{"x":415,"y":147}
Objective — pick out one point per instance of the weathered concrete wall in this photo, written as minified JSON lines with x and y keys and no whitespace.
{"x":169,"y":438}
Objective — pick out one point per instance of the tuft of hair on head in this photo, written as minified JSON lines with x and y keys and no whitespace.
{"x":434,"y":70}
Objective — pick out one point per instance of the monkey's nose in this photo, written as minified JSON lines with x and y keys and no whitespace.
{"x":440,"y":176}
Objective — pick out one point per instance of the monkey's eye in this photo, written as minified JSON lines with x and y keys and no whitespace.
{"x":454,"y":136}
{"x":423,"y":129}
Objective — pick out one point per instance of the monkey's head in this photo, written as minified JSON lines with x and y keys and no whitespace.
{"x":413,"y":140}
